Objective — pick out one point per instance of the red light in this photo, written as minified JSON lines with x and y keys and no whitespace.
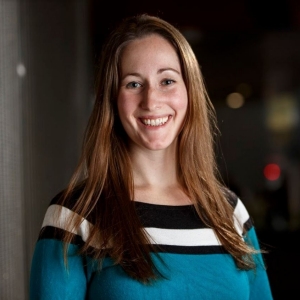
{"x":272,"y":172}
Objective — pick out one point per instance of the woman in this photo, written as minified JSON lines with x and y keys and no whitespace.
{"x":145,"y":215}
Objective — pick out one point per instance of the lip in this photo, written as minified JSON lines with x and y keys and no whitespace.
{"x":154,"y":117}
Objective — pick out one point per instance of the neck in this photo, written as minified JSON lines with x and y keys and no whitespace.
{"x":154,"y":167}
{"x":155,"y":177}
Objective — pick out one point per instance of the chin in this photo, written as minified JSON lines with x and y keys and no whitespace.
{"x":158,"y":146}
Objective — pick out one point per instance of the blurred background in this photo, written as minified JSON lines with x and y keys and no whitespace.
{"x":249,"y":53}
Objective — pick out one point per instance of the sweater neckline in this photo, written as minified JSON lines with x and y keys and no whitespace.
{"x":147,"y":205}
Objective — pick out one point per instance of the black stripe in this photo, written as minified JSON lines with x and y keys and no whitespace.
{"x":231,"y":197}
{"x":169,"y":217}
{"x":190,"y":249}
{"x":151,"y":215}
{"x":50,"y":232}
{"x":248,"y":224}
{"x":71,"y":201}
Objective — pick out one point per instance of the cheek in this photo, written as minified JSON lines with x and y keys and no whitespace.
{"x":126,"y":108}
{"x":122,"y":105}
{"x":181,"y":101}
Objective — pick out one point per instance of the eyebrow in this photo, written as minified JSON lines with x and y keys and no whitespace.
{"x":167,"y":69}
{"x":158,"y":72}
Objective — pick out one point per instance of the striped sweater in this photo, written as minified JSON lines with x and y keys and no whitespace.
{"x":193,"y":262}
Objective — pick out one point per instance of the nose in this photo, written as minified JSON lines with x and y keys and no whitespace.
{"x":151,"y":99}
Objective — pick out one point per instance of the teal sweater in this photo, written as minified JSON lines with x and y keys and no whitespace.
{"x":193,"y":263}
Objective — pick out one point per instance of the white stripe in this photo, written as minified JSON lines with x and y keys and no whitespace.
{"x":183,"y":237}
{"x":58,"y":216}
{"x":240,"y":216}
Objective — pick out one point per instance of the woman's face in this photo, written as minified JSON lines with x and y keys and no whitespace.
{"x":152,"y":99}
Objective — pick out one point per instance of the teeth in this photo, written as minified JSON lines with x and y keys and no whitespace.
{"x":155,"y":122}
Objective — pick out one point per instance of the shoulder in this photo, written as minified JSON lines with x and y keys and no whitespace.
{"x":242,"y":219}
{"x":71,"y":200}
{"x":59,"y":217}
{"x":231,"y":196}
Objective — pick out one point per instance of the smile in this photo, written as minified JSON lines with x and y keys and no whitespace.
{"x":155,"y":122}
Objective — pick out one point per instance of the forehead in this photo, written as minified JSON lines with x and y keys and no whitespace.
{"x":153,"y":49}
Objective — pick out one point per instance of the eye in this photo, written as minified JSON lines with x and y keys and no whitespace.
{"x":133,"y":85}
{"x":167,"y":82}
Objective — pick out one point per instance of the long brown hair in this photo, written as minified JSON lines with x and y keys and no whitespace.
{"x":105,"y":174}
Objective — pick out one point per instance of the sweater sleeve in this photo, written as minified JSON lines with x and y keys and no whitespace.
{"x":49,"y":276}
{"x":258,"y":278}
